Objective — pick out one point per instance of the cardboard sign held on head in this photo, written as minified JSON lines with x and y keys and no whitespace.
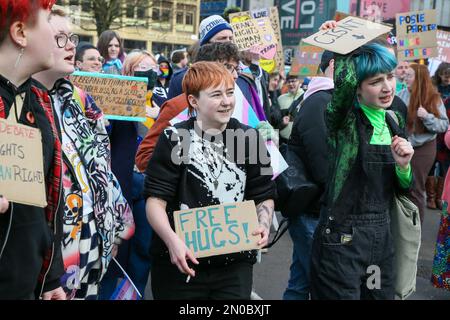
{"x":307,"y":61}
{"x":119,"y":97}
{"x":219,"y":229}
{"x":22,"y":178}
{"x":416,"y":35}
{"x":350,"y":34}
{"x":443,"y":41}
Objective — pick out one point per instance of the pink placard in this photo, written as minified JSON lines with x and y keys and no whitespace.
{"x":381,"y":9}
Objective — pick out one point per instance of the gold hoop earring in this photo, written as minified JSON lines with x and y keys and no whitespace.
{"x":19,"y":58}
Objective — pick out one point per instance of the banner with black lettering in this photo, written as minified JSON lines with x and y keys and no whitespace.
{"x":300,"y":19}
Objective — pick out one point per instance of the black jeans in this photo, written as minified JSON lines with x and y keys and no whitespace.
{"x":232,"y":282}
{"x":353,"y":260}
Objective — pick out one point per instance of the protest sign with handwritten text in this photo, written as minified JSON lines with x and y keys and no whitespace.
{"x":416,"y":35}
{"x":219,"y":229}
{"x":307,"y":61}
{"x":268,"y":64}
{"x":119,"y":97}
{"x":22,"y":177}
{"x":443,"y":40}
{"x":255,"y":35}
{"x":350,"y":34}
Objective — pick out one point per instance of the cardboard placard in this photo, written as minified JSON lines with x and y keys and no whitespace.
{"x":269,"y":65}
{"x":443,"y":41}
{"x":307,"y":61}
{"x":256,"y":35}
{"x":219,"y":229}
{"x":350,"y":34}
{"x":119,"y":97}
{"x":416,"y":35}
{"x":22,"y":177}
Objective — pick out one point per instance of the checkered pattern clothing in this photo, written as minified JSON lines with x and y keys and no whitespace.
{"x":84,"y":252}
{"x":95,"y":211}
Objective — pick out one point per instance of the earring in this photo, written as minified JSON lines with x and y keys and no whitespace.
{"x":19,"y":57}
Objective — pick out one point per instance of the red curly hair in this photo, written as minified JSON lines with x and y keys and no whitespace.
{"x":19,"y":10}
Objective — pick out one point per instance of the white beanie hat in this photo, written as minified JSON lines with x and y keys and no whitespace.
{"x":212,"y":25}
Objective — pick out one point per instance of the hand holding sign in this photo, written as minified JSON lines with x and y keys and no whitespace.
{"x":330,"y":24}
{"x":217,"y":230}
{"x":346,"y":35}
{"x":265,"y":212}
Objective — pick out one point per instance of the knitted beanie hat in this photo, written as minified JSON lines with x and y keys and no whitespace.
{"x":212,"y":25}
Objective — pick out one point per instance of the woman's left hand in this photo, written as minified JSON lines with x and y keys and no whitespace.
{"x":422,"y":113}
{"x":264,"y":232}
{"x":402,"y":151}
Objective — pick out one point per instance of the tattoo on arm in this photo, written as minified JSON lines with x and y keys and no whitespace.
{"x":265,"y":213}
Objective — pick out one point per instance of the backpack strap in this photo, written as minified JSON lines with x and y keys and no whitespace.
{"x":394,"y":123}
{"x":282,"y":228}
{"x":393,"y":116}
{"x":295,"y":104}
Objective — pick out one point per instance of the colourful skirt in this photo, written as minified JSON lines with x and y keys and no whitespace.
{"x":441,"y":264}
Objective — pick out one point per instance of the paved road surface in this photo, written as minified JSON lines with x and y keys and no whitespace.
{"x":271,"y":275}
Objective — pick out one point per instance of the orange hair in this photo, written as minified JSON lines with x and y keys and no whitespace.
{"x":133,"y":59}
{"x":423,"y":93}
{"x":203,"y":75}
{"x":20,"y":10}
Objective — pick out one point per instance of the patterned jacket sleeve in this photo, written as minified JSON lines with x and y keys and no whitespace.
{"x":344,"y":93}
{"x":123,"y":217}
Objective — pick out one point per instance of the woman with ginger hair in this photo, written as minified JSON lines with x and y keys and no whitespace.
{"x":426,"y":118}
{"x":205,"y":173}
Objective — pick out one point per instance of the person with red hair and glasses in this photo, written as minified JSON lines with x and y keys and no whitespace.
{"x":30,"y":237}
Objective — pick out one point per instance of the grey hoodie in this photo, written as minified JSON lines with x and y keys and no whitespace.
{"x":433,"y":124}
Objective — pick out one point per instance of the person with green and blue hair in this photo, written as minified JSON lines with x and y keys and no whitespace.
{"x":369,"y":163}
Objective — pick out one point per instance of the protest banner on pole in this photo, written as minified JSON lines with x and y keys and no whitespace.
{"x":416,"y":35}
{"x":22,"y":178}
{"x":307,"y":61}
{"x":269,"y":65}
{"x":119,"y":97}
{"x":443,"y":41}
{"x":219,"y":229}
{"x":350,"y":34}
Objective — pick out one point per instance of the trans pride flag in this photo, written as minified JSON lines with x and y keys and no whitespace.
{"x":246,"y":115}
{"x":242,"y":111}
{"x":126,"y":289}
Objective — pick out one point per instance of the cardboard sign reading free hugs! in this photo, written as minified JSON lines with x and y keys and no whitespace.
{"x":219,"y":229}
